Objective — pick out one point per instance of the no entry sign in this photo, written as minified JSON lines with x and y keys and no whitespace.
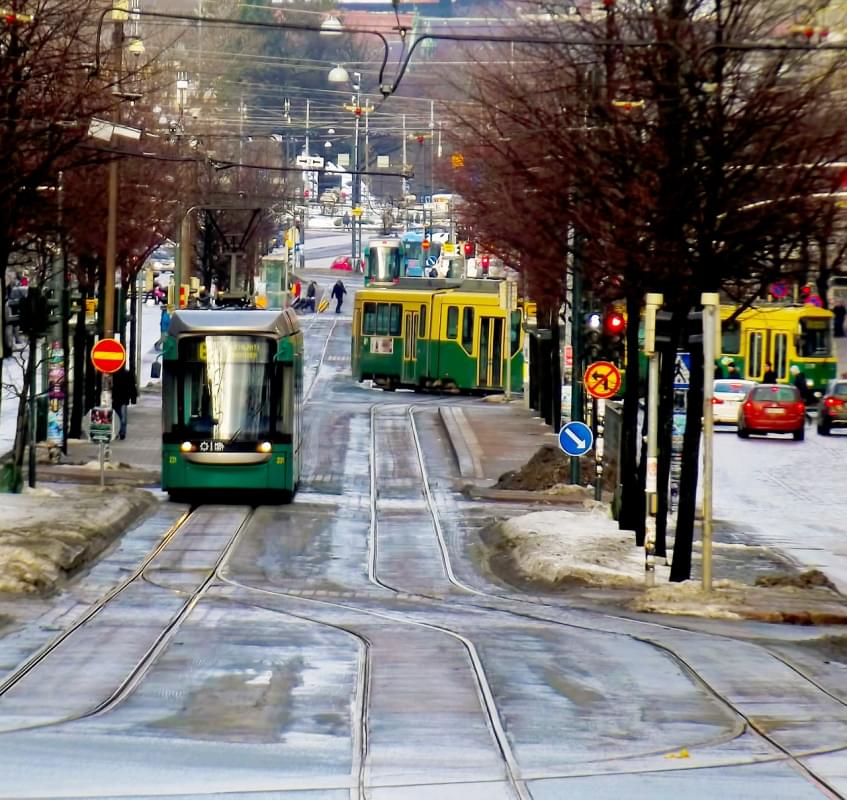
{"x":108,"y":355}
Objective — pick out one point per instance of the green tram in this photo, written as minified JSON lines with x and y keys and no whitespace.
{"x":434,"y":334}
{"x":232,"y":393}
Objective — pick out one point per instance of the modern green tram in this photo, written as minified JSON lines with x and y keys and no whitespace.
{"x":232,"y":395}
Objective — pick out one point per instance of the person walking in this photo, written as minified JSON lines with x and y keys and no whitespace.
{"x":346,"y":220}
{"x":718,"y":371}
{"x":770,"y":375}
{"x":338,"y":292}
{"x":164,"y":324}
{"x":838,"y":322}
{"x":123,"y":393}
{"x":311,"y":293}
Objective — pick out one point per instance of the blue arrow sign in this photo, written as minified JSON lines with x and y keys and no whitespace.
{"x":576,"y":438}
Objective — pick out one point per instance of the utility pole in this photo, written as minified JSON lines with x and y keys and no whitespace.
{"x":711,"y":338}
{"x":653,"y":302}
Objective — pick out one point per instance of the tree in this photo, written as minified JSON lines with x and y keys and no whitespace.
{"x":684,"y":163}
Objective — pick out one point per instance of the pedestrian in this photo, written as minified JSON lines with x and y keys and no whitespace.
{"x":123,"y":393}
{"x":732,"y":371}
{"x":164,"y":324}
{"x":346,"y":220}
{"x":838,"y":322}
{"x":770,"y":375}
{"x":718,"y":371}
{"x":311,"y":292}
{"x":798,"y":379}
{"x":338,"y":292}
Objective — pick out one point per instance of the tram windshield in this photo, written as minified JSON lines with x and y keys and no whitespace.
{"x":222,"y":388}
{"x":383,"y":263}
{"x":815,"y":338}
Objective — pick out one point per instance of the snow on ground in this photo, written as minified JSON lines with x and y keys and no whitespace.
{"x":45,"y":534}
{"x":557,"y":547}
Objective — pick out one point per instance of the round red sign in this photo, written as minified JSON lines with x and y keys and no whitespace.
{"x":108,"y":355}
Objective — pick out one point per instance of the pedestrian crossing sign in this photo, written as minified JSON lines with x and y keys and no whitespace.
{"x":682,"y":371}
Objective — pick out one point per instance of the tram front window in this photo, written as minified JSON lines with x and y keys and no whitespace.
{"x":221,"y":388}
{"x":815,"y":339}
{"x":383,"y":264}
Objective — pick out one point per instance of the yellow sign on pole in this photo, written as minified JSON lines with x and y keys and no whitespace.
{"x":358,"y":211}
{"x":457,"y":160}
{"x":449,"y":248}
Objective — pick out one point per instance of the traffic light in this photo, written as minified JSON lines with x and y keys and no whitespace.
{"x":467,"y":249}
{"x":36,"y":312}
{"x":425,"y":245}
{"x":592,"y":342}
{"x":614,"y":342}
{"x":485,"y":263}
{"x":694,"y":329}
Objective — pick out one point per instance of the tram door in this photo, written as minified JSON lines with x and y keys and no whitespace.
{"x":490,"y":363}
{"x":410,"y":348}
{"x":756,"y":353}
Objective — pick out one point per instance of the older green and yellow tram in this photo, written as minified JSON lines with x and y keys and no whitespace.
{"x":430,"y":335}
{"x":232,"y":387}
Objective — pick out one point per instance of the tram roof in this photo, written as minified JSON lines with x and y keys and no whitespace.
{"x":279,"y":322}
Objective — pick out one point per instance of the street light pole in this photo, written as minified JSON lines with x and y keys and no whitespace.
{"x":357,"y":174}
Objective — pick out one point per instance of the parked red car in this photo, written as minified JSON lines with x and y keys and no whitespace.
{"x":772,"y":408}
{"x":345,"y":263}
{"x":832,"y":409}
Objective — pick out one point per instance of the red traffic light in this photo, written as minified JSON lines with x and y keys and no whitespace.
{"x":614,"y":323}
{"x":468,"y":249}
{"x":485,"y":263}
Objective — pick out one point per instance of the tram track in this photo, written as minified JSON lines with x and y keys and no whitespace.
{"x":159,"y":643}
{"x":794,"y":758}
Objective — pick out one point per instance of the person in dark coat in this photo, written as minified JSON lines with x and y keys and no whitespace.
{"x":838,"y":322}
{"x":732,"y":371}
{"x":311,"y":292}
{"x":718,"y":371}
{"x":338,"y":292}
{"x":770,"y":374}
{"x":123,"y":393}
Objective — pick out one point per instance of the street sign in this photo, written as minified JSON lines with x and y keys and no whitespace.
{"x":448,"y":248}
{"x":313,"y":162}
{"x":431,"y":261}
{"x":108,"y":356}
{"x":779,"y":290}
{"x":602,"y":380}
{"x":682,"y":371}
{"x":814,"y":300}
{"x":358,"y":211}
{"x":576,"y":438}
{"x":101,"y":424}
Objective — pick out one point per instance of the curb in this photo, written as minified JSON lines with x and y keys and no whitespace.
{"x":113,"y":477}
{"x":527,"y":496}
{"x":463,"y":442}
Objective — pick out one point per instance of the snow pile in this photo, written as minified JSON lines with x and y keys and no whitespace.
{"x":559,"y":546}
{"x":555,"y":548}
{"x":46,"y":534}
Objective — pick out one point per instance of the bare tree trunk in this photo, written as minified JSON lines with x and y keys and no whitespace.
{"x":683,"y":544}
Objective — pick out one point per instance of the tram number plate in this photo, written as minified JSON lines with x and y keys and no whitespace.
{"x":382,"y":344}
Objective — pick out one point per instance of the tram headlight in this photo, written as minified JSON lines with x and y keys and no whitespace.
{"x":186,"y":447}
{"x":264,"y":447}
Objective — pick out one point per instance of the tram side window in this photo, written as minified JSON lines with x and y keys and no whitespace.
{"x":395,"y":319}
{"x":731,"y":338}
{"x":815,"y":339}
{"x":422,"y":323}
{"x":515,"y":333}
{"x":467,"y":329}
{"x":369,"y":320}
{"x":754,"y":368}
{"x":780,"y":355}
{"x":382,"y":319}
{"x":452,"y":322}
